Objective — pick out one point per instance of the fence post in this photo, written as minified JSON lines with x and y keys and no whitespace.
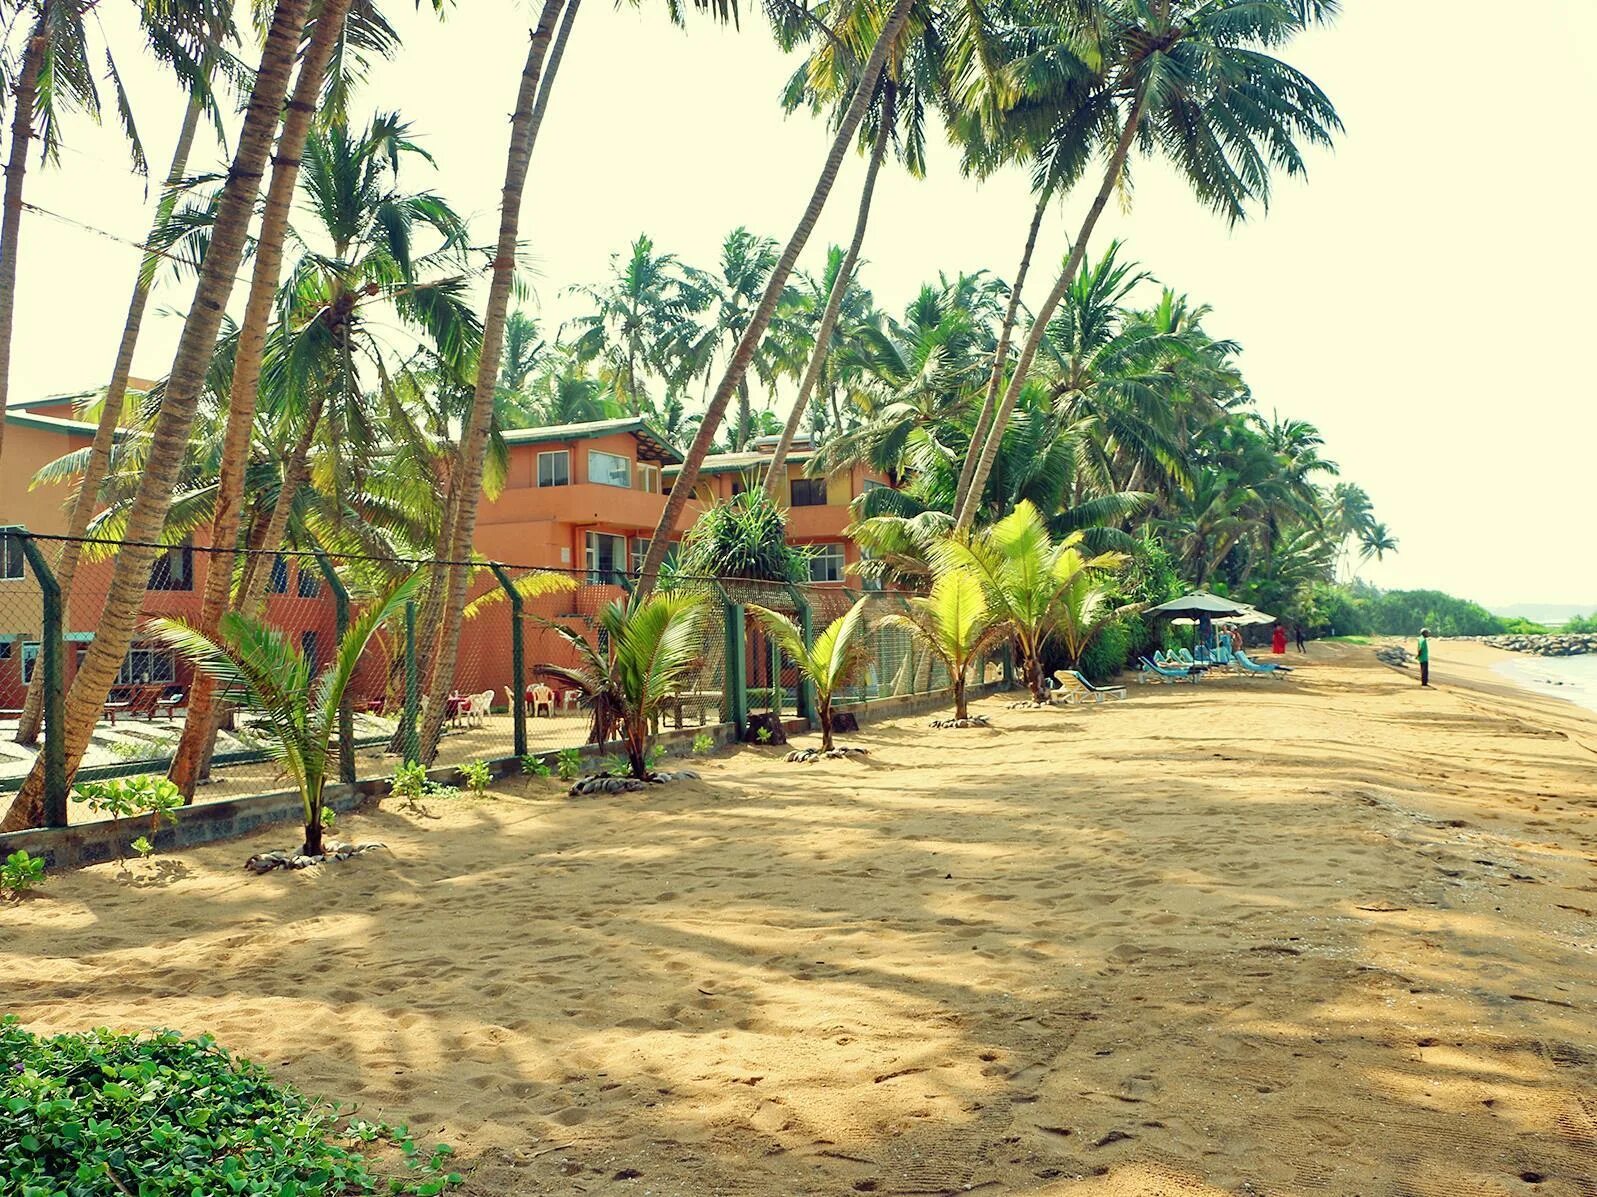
{"x":55,"y":706}
{"x":346,"y":707}
{"x":1009,"y":665}
{"x":518,"y":659}
{"x":806,"y":691}
{"x":412,"y":687}
{"x":737,"y":693}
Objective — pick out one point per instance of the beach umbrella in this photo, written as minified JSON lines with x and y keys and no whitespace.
{"x":1199,"y":605}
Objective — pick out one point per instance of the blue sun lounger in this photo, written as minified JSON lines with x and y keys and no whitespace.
{"x":1247,"y":665}
{"x":1152,"y":671}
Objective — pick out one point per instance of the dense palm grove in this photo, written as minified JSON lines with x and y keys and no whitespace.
{"x":349,"y":394}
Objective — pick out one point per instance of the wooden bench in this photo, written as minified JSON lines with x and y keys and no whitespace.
{"x":702,"y":701}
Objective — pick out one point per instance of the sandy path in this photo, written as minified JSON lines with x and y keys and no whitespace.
{"x":1331,"y":936}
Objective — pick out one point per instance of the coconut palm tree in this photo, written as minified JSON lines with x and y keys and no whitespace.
{"x":1026,"y":575}
{"x":85,"y":701}
{"x":653,"y":647}
{"x":831,"y":663}
{"x":956,"y":623}
{"x":1084,"y":607}
{"x":1377,"y":542}
{"x":276,"y":680}
{"x":688,"y":477}
{"x":637,"y":317}
{"x":1194,"y":79}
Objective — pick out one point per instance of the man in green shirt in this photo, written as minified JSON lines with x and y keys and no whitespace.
{"x":1425,"y":657}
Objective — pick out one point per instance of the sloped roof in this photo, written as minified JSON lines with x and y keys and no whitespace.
{"x":648,"y":436}
{"x":730,"y":463}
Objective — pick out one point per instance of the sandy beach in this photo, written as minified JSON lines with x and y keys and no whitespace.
{"x":1333,"y":935}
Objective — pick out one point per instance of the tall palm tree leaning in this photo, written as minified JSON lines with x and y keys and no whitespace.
{"x":112,"y":410}
{"x":466,"y":479}
{"x":85,"y":701}
{"x":688,"y":477}
{"x":776,"y":472}
{"x":1191,"y":77}
{"x":830,"y":663}
{"x":326,"y":34}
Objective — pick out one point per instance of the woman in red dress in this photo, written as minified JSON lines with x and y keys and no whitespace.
{"x":1278,"y":641}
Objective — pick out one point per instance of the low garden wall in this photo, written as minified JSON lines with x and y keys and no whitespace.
{"x":207,"y":822}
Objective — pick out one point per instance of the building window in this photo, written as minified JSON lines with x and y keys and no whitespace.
{"x":5,"y":650}
{"x":310,"y":585}
{"x":554,"y":469}
{"x":307,"y":645}
{"x":606,"y":557}
{"x":12,"y":563}
{"x":609,"y":469}
{"x":640,"y":550}
{"x":648,"y":478}
{"x":279,"y":582}
{"x":807,"y":492}
{"x":30,"y":658}
{"x":173,"y":569}
{"x":826,"y":563}
{"x":143,"y":665}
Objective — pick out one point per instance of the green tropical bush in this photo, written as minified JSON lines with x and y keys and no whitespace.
{"x":20,"y":873}
{"x":744,"y":537}
{"x":126,"y":797}
{"x":570,"y":764}
{"x":477,"y":775}
{"x":162,"y":1116}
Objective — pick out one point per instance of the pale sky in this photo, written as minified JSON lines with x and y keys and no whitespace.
{"x":1412,"y":298}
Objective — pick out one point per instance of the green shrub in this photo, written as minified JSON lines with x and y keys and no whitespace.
{"x":477,"y":775}
{"x":20,"y":873}
{"x":569,"y":764}
{"x":703,"y":744}
{"x":126,"y":797}
{"x":534,"y":765}
{"x":1581,"y":625}
{"x":410,"y":781}
{"x":163,"y":1116}
{"x":1107,"y":654}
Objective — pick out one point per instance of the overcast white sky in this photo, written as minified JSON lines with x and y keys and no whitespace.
{"x":1420,"y":297}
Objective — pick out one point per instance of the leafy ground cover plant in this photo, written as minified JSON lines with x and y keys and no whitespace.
{"x":534,"y":765}
{"x":703,"y":744}
{"x":20,"y":873}
{"x":477,"y":775}
{"x":128,"y":797}
{"x":570,"y":763}
{"x":161,"y":1116}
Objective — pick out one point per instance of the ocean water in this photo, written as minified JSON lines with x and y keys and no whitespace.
{"x":1573,"y":679}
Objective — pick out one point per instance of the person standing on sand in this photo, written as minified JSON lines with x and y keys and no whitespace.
{"x":1424,"y":656}
{"x":1302,"y":646}
{"x":1278,"y":641}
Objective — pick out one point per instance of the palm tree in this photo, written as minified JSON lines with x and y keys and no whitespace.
{"x":831,"y":663}
{"x":325,"y":37}
{"x":655,"y":645}
{"x":688,"y":476}
{"x":1377,"y":543}
{"x":277,"y":680}
{"x":85,"y":701}
{"x":56,"y":75}
{"x":113,"y":407}
{"x":1195,"y":79}
{"x":1026,"y":575}
{"x":955,"y":623}
{"x":636,"y":317}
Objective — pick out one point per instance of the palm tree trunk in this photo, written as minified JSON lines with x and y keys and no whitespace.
{"x":24,"y":94}
{"x":1039,"y":325}
{"x":995,"y":380}
{"x":85,"y":701}
{"x":474,"y":439}
{"x":961,"y":709}
{"x":99,"y":463}
{"x":688,"y":477}
{"x":826,"y":724}
{"x":776,"y":472}
{"x":199,"y":729}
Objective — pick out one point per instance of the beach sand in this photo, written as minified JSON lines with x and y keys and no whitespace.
{"x":1332,"y":935}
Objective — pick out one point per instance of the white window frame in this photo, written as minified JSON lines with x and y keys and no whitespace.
{"x":590,"y":556}
{"x":552,"y":454}
{"x":11,"y":555}
{"x":648,"y":478}
{"x":828,"y":553}
{"x":638,"y":546}
{"x":161,"y":664}
{"x":622,"y":470}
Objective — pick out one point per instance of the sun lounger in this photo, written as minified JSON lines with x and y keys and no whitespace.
{"x":1150,"y":671}
{"x":1248,"y":665}
{"x":1080,"y":689}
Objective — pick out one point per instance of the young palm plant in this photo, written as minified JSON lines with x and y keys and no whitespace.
{"x":1026,"y":576}
{"x":269,"y":675}
{"x":831,"y":663}
{"x":655,"y":646}
{"x":956,"y":624}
